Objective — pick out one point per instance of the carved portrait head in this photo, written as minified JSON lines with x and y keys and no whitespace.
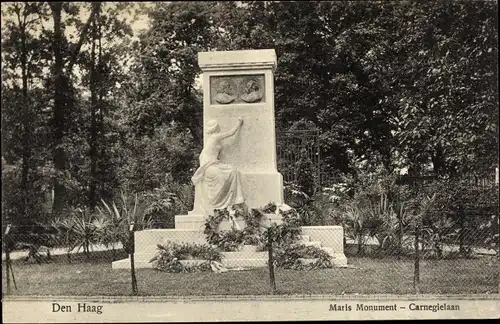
{"x":225,"y":87}
{"x":251,"y":91}
{"x":251,"y":86}
{"x":225,"y":92}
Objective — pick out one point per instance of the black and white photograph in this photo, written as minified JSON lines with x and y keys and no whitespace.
{"x":194,"y":161}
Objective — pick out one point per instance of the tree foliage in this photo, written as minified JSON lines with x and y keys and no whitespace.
{"x":87,"y":108}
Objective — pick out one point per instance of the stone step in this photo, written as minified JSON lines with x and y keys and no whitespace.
{"x":232,"y":263}
{"x":197,"y":222}
{"x":313,"y":243}
{"x":339,"y":260}
{"x":260,"y":260}
{"x":245,"y":263}
{"x":244,"y":255}
{"x":125,"y":264}
{"x":228,"y":263}
{"x":191,"y":263}
{"x":248,"y":248}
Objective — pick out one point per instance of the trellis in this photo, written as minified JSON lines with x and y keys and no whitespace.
{"x":297,"y":151}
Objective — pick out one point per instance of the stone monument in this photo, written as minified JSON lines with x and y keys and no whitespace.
{"x":238,"y":163}
{"x":240,"y":85}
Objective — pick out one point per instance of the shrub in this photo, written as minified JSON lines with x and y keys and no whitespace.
{"x":170,"y":254}
{"x":120,"y":216}
{"x":168,"y":200}
{"x":462,"y":214}
{"x":77,"y":231}
{"x":288,"y":257}
{"x":286,"y":251}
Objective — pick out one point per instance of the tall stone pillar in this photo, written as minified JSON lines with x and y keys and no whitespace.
{"x":241,"y":84}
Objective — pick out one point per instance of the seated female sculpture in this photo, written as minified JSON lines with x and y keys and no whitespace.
{"x":220,"y":182}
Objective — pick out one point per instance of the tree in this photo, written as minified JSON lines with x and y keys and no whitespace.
{"x":22,"y":101}
{"x":65,"y":57}
{"x":447,"y":102}
{"x":102,"y":61}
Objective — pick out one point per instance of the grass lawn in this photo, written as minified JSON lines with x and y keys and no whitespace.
{"x":370,"y":276}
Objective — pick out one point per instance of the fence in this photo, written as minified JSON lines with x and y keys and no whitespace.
{"x":263,"y":259}
{"x":299,"y":158}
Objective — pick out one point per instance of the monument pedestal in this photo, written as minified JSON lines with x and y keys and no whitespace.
{"x":189,"y":229}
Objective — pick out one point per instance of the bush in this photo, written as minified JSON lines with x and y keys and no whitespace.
{"x":286,"y":251}
{"x":289,"y":257}
{"x":119,"y":217}
{"x":169,"y":255}
{"x":167,"y":201}
{"x":451,"y":211}
{"x":464,"y":213}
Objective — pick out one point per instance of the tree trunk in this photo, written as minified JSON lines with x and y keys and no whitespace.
{"x":59,"y":109}
{"x":26,"y":155}
{"x":360,"y":244}
{"x":102,"y":138}
{"x":438,"y":160}
{"x":62,"y":99}
{"x":401,"y":237}
{"x":93,"y":121}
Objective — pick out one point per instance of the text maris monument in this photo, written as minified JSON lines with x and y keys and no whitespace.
{"x":238,"y":164}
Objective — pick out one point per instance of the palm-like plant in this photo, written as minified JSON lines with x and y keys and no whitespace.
{"x":396,"y":218}
{"x":354,"y":222}
{"x":430,"y":231}
{"x":63,"y":235}
{"x":77,"y":231}
{"x":121,"y":216}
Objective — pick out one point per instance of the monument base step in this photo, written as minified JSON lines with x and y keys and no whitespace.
{"x":197,"y":222}
{"x":328,"y":238}
{"x":313,"y":243}
{"x":339,"y":260}
{"x":234,"y":262}
{"x":125,"y":264}
{"x":244,"y":255}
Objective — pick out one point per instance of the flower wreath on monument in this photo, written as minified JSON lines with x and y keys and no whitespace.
{"x":288,"y":252}
{"x":233,"y":239}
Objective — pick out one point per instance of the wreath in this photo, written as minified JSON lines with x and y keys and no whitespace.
{"x":232,"y":239}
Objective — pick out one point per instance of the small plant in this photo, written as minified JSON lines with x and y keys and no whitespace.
{"x":360,"y":224}
{"x":285,"y":233}
{"x":120,"y":217}
{"x":170,"y":254}
{"x":289,"y":257}
{"x":230,"y":240}
{"x":396,"y":223}
{"x":287,"y":253}
{"x":77,"y":232}
{"x":301,"y":202}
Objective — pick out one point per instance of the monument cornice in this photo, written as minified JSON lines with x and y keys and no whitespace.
{"x":238,"y":66}
{"x":238,"y":60}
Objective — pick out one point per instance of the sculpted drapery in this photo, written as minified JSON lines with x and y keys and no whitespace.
{"x":219,"y":182}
